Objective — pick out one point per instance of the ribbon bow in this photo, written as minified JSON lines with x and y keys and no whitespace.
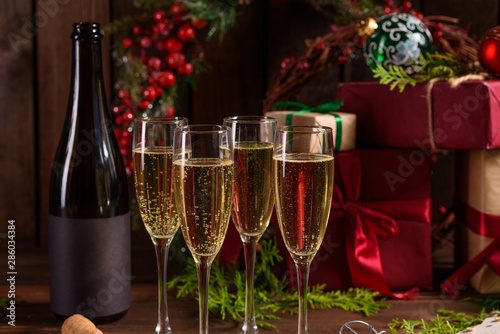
{"x":364,"y":224}
{"x":326,"y":108}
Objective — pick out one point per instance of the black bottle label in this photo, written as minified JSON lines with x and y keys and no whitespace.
{"x":89,"y":266}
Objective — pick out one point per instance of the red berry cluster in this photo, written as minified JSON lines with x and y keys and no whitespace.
{"x":165,"y":48}
{"x":406,"y":7}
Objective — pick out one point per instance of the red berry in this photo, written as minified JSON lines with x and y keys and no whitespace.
{"x":198,"y":23}
{"x":285,"y":62}
{"x":126,"y":134}
{"x":170,"y":111}
{"x":320,"y":46}
{"x":124,"y":142}
{"x":123,"y":151}
{"x":149,"y":93}
{"x":143,"y":59}
{"x":419,"y":15}
{"x":438,"y":34}
{"x":156,"y":29}
{"x":342,"y":59}
{"x":164,"y":27}
{"x":159,"y":44}
{"x":438,"y":26}
{"x":442,"y":209}
{"x":387,"y":10}
{"x":166,"y":79}
{"x":123,"y":94}
{"x":117,"y":110}
{"x":406,"y":5}
{"x":151,"y":80}
{"x":174,"y":59}
{"x":185,"y":32}
{"x":145,"y":42}
{"x":173,"y":44}
{"x":137,"y":30}
{"x":347,"y":52}
{"x":178,"y":9}
{"x":127,"y":42}
{"x":144,"y":105}
{"x":154,"y":63}
{"x":185,"y":69}
{"x":159,"y":15}
{"x":118,"y":133}
{"x":159,"y":91}
{"x":304,"y":65}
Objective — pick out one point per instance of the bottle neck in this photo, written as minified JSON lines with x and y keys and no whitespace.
{"x":87,"y":89}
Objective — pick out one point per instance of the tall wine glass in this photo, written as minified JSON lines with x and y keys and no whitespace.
{"x":203,"y":168}
{"x":303,"y":175}
{"x":152,"y":155}
{"x":253,"y":194}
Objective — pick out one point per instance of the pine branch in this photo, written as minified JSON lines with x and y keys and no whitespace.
{"x":445,"y":322}
{"x":272,"y":296}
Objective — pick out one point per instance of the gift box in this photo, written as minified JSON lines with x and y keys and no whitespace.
{"x":379,"y":231}
{"x":464,"y":117}
{"x":343,"y":124}
{"x":344,"y":134}
{"x":478,"y":221}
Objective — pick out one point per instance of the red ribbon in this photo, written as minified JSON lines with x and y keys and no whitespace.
{"x":481,"y":224}
{"x":366,"y":222}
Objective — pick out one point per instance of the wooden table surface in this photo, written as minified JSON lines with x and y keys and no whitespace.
{"x":34,"y":316}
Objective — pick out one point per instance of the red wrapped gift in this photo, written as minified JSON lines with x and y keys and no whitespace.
{"x":477,"y":222}
{"x":464,"y":117}
{"x":379,"y":231}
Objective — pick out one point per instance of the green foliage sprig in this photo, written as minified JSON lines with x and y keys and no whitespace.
{"x":442,"y":66}
{"x":272,"y":296}
{"x":445,"y":322}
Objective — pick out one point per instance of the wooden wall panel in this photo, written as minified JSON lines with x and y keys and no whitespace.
{"x":289,"y":25}
{"x":17,"y":136}
{"x":478,"y":15}
{"x":54,"y":72}
{"x":234,"y":84}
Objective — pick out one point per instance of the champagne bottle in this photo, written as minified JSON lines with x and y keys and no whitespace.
{"x":89,"y":216}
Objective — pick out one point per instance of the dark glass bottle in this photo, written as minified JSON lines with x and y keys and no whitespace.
{"x":89,"y":216}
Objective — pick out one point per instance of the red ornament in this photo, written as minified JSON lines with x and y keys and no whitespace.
{"x":127,"y":42}
{"x":489,"y":51}
{"x":154,"y":63}
{"x":173,"y":45}
{"x":185,"y":69}
{"x":185,"y":33}
{"x":149,"y":93}
{"x":166,"y":79}
{"x":174,"y":59}
{"x":170,"y":111}
{"x":145,"y":42}
{"x":159,"y":15}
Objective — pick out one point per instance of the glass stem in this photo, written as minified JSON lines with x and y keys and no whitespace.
{"x":302,"y":277}
{"x":203,"y":268}
{"x":250,"y":248}
{"x":161,"y":248}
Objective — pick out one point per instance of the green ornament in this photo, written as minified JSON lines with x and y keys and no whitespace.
{"x":399,"y":40}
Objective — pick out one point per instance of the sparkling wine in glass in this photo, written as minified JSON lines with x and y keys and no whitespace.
{"x":203,"y":169}
{"x":152,"y":156}
{"x":253,"y":194}
{"x":303,"y":175}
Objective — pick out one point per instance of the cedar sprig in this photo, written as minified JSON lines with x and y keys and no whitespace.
{"x":272,"y":296}
{"x":442,"y":66}
{"x":445,"y":322}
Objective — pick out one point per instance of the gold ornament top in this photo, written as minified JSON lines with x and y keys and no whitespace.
{"x":366,"y":27}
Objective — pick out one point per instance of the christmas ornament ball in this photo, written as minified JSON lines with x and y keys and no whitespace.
{"x":399,"y":40}
{"x":488,"y":51}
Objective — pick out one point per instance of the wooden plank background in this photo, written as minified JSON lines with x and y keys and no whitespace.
{"x":35,"y":74}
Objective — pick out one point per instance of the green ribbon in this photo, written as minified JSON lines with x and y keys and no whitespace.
{"x":326,"y":108}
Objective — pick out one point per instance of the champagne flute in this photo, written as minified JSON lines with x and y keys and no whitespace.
{"x":203,"y":168}
{"x":303,"y":175}
{"x":253,"y":194}
{"x":152,"y":156}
